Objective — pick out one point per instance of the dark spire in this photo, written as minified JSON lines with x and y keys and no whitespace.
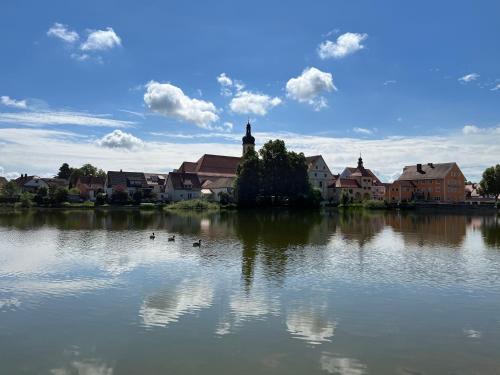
{"x":248,"y":139}
{"x":360,"y":162}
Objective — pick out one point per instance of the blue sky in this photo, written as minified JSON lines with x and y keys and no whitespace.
{"x":145,"y":85}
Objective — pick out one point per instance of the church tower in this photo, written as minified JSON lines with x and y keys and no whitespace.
{"x":248,"y":140}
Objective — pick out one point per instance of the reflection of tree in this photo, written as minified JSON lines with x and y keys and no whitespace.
{"x":360,"y":225}
{"x":490,"y":229}
{"x":270,"y":235}
{"x":430,"y":229}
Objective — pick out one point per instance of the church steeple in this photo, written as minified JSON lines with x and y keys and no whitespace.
{"x":360,"y":162}
{"x":248,"y":139}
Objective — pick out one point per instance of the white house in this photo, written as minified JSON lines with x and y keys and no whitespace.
{"x":182,"y":186}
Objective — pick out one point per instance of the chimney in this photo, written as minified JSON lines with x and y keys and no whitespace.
{"x":430,"y":165}
{"x":419,"y":168}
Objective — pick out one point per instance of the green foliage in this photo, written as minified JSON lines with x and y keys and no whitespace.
{"x":374,"y":204}
{"x":224,"y":198}
{"x":85,"y":170}
{"x":74,"y":191}
{"x":137,"y":197}
{"x":147,"y":206}
{"x":247,"y":184}
{"x":278,"y":177}
{"x":193,"y":204}
{"x":490,"y":184}
{"x":60,"y":195}
{"x":119,"y":197}
{"x":10,"y":190}
{"x":26,"y":200}
{"x":88,"y":204}
{"x":65,"y":171}
{"x":344,"y":198}
{"x":100,"y":199}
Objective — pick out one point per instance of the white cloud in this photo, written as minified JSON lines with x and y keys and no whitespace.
{"x":469,"y":78}
{"x":62,"y":118}
{"x":228,"y":126}
{"x":470,"y":129}
{"x":171,"y":101}
{"x":390,"y":82}
{"x":497,"y":87}
{"x":9,"y":102}
{"x":307,"y":87}
{"x":247,"y":102}
{"x":119,"y":139}
{"x":345,"y":45}
{"x":224,"y":80}
{"x":100,"y":40}
{"x":58,"y":30}
{"x":363,"y":131}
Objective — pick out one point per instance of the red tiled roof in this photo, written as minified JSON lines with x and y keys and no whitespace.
{"x":212,"y":166}
{"x":179,"y":180}
{"x":347,"y":183}
{"x":429,"y":171}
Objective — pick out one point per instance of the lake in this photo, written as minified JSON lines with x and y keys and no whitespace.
{"x":271,"y":292}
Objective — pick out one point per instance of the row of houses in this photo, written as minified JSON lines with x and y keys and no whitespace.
{"x":213,"y":176}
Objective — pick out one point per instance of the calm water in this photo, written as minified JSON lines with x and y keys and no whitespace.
{"x":269,"y":293}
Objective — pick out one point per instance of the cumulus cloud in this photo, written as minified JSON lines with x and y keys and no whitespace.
{"x":60,"y":31}
{"x":345,"y":45}
{"x":9,"y":102}
{"x":363,"y":131}
{"x":228,"y":85}
{"x":170,"y":101}
{"x":247,"y":102}
{"x":61,"y":118}
{"x":224,"y":80}
{"x":390,"y":82}
{"x":469,"y":78}
{"x":120,"y":139}
{"x":100,"y":40}
{"x":307,"y":87}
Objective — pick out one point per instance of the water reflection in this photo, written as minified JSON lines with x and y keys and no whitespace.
{"x":281,"y":289}
{"x":339,"y":365}
{"x":310,"y":323}
{"x":169,"y":305}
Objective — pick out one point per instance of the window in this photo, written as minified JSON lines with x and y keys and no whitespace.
{"x":325,"y":175}
{"x":315,"y":175}
{"x":321,"y":184}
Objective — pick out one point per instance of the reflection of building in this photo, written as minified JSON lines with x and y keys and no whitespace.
{"x":422,"y":230}
{"x":443,"y":182}
{"x":357,"y":184}
{"x":320,"y":175}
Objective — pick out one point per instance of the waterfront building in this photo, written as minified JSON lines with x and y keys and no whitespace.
{"x":320,"y":175}
{"x":358,"y":184}
{"x":182,"y":186}
{"x":438,"y":182}
{"x":90,"y":186}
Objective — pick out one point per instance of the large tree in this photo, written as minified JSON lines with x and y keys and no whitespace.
{"x":247,"y":185}
{"x":490,"y":184}
{"x":64,"y":171}
{"x":85,"y":170}
{"x":275,"y":168}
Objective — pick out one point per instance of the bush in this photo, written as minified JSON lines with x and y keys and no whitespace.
{"x":119,"y":197}
{"x":194,"y":204}
{"x":100,"y":199}
{"x":74,"y":191}
{"x":374,"y":205}
{"x":61,"y":195}
{"x":26,"y":200}
{"x":88,"y":204}
{"x":147,"y":206}
{"x":137,"y":197}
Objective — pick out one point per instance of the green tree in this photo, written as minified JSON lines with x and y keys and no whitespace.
{"x":10,"y":190}
{"x":490,"y":184}
{"x":297,"y":179}
{"x":275,"y":168}
{"x":60,"y":195}
{"x":65,"y":171}
{"x":247,"y":184}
